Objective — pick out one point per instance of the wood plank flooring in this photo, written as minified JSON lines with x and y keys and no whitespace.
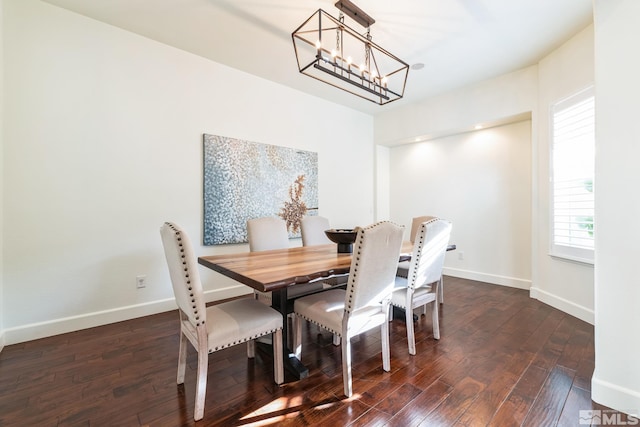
{"x":503,"y":359}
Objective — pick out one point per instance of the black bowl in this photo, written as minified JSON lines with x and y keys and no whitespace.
{"x":344,"y":238}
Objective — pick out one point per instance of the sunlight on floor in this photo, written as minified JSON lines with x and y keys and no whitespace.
{"x":284,"y":408}
{"x":275,"y":411}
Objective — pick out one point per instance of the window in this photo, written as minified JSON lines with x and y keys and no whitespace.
{"x":573,"y":155}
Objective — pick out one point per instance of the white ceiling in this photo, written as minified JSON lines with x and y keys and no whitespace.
{"x":459,"y":41}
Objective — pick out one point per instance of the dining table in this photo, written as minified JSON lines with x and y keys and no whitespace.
{"x":279,"y":270}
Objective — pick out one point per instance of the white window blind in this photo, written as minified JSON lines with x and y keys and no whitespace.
{"x":573,"y":155}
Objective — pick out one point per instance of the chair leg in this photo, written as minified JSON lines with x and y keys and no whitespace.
{"x":411,"y":339}
{"x":390,"y":313}
{"x":336,"y":340}
{"x":278,"y":366}
{"x":182,"y":358}
{"x":435,"y":319}
{"x":251,"y":349}
{"x":386,"y":350}
{"x":201,"y":382}
{"x":440,"y":292}
{"x":346,"y":365}
{"x":297,"y":336}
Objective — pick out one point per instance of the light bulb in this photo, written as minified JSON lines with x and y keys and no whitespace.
{"x":318,"y":45}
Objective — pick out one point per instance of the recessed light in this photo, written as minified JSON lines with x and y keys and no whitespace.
{"x":477,"y":127}
{"x":417,"y":66}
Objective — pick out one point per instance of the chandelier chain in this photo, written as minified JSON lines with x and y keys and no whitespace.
{"x":341,"y":20}
{"x":367,"y":50}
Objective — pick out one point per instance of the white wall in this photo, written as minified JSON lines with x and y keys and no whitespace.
{"x":503,"y":99}
{"x":616,"y":380}
{"x":481,"y":182}
{"x":563,"y":284}
{"x":444,"y":164}
{"x":382,"y":189}
{"x":103,"y":142}
{"x":1,"y":173}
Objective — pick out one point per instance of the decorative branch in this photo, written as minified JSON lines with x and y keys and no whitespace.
{"x":293,"y":210}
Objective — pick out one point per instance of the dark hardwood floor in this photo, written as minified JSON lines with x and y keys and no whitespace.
{"x":503,"y":359}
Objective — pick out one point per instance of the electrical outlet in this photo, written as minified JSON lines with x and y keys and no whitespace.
{"x":461,"y":256}
{"x":141,"y":282}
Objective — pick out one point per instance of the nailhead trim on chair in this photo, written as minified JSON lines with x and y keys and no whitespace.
{"x":186,"y":274}
{"x":411,"y":283}
{"x":339,"y":333}
{"x":352,"y":275}
{"x":243,"y":340}
{"x":354,"y":272}
{"x":404,"y":306}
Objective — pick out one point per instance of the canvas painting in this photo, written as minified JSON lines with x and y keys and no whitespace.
{"x":244,"y":180}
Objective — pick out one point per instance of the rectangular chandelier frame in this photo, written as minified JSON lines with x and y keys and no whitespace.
{"x":332,"y":52}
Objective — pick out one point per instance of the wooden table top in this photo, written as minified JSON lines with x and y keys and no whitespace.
{"x":276,"y":269}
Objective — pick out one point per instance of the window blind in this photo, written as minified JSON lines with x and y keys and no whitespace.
{"x":573,"y":142}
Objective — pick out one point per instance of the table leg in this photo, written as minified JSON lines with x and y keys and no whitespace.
{"x":399,"y":313}
{"x":291,"y":362}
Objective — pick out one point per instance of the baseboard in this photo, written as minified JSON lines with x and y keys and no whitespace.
{"x":89,"y":320}
{"x":569,"y":307}
{"x":494,"y":279}
{"x":615,"y":397}
{"x":1,"y":340}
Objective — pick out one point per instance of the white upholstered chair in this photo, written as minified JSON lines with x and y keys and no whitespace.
{"x":403,"y":267}
{"x":312,"y":229}
{"x":216,"y":327}
{"x":364,"y":305}
{"x":269,"y":233}
{"x":425,"y":271}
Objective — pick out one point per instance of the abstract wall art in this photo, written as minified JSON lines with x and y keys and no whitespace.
{"x":244,"y":180}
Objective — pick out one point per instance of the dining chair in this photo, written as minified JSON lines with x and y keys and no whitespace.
{"x":313,"y":233}
{"x":269,"y":233}
{"x":364,"y":305}
{"x":217,"y":327}
{"x":425,"y":271}
{"x":403,"y":267}
{"x":312,"y":229}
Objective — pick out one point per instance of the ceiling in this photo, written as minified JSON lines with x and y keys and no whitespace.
{"x":458,"y":41}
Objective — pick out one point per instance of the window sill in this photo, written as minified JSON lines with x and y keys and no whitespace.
{"x":573,"y":259}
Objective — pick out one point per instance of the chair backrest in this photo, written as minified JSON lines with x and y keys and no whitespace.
{"x":373,"y":265}
{"x":415,"y":225}
{"x":183,"y":269}
{"x":429,"y":251}
{"x":312,"y":228}
{"x":267,"y":233}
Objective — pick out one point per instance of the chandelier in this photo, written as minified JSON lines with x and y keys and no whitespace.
{"x":332,"y":52}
